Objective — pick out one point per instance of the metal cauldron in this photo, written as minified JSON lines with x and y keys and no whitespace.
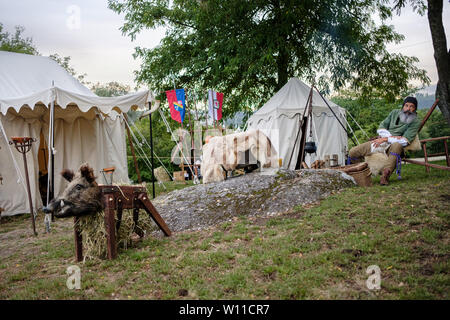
{"x":310,"y":147}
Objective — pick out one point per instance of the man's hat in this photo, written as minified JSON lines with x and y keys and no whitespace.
{"x":411,"y":100}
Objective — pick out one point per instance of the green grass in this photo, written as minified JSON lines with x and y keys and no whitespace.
{"x":313,"y":252}
{"x":168,"y":186}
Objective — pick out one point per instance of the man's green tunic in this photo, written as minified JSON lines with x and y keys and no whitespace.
{"x":398,"y":128}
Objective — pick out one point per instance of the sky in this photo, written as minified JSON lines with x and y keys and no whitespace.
{"x":88,"y":32}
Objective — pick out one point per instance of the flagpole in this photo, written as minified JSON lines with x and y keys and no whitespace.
{"x":213,"y":113}
{"x":181,"y":141}
{"x":181,"y":136}
{"x":195,"y":107}
{"x":151,"y":146}
{"x":190,"y":129}
{"x":207,"y":112}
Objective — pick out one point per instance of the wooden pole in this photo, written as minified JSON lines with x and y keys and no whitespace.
{"x":195,"y":108}
{"x":151,"y":151}
{"x":110,"y":210}
{"x":428,"y":115}
{"x":426,"y":164}
{"x":192,"y":136}
{"x":207,"y":112}
{"x":182,"y":157}
{"x":132,"y":150}
{"x":78,"y":240}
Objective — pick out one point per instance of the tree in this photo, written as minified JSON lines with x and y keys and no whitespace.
{"x":250,"y":48}
{"x":441,"y":52}
{"x":111,"y":89}
{"x":15,"y":42}
{"x":65,"y":63}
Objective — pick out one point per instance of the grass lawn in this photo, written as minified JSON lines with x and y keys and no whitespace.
{"x":316,"y":252}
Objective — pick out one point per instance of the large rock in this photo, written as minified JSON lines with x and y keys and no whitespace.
{"x":254,"y":194}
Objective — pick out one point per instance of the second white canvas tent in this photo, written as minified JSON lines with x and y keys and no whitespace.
{"x":87,"y":128}
{"x":279,"y":119}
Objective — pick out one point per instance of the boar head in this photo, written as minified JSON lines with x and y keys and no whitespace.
{"x":81,"y":197}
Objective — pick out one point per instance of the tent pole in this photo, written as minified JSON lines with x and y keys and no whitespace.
{"x":301,"y":126}
{"x":132,"y":150}
{"x":334,"y":114}
{"x":308,"y":122}
{"x":151,"y":146}
{"x":52,"y":191}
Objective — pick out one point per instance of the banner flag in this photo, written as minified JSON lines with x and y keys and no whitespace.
{"x":215,"y":102}
{"x":177,"y":104}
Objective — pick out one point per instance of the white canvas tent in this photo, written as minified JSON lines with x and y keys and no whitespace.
{"x":279,"y":119}
{"x":87,"y":128}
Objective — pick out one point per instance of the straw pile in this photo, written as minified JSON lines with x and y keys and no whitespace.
{"x":93,"y":231}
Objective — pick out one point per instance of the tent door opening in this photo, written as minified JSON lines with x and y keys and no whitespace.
{"x":43,"y":170}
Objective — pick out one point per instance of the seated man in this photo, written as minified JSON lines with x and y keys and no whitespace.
{"x":395,"y":132}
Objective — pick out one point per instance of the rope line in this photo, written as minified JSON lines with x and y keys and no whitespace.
{"x":351,"y":129}
{"x":153,"y":151}
{"x":174,"y":139}
{"x":140,"y":150}
{"x":358,"y":125}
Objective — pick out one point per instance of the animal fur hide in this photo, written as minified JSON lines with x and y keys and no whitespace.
{"x":225,"y":153}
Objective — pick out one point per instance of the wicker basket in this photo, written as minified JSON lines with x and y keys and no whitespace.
{"x":360,"y":172}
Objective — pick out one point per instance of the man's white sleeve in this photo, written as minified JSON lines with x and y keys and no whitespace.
{"x":402,"y":141}
{"x":384,"y":133}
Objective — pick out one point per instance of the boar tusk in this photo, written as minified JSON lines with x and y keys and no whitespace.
{"x":62,"y":203}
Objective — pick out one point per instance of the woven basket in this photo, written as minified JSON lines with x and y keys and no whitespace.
{"x":360,"y":172}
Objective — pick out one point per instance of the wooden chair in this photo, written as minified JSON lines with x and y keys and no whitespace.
{"x":424,"y":146}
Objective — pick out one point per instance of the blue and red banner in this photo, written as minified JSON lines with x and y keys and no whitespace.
{"x":177,"y":104}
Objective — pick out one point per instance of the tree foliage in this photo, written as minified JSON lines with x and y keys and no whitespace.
{"x":110,"y":89}
{"x":16,"y":42}
{"x":65,"y":63}
{"x":250,"y":48}
{"x":434,"y":9}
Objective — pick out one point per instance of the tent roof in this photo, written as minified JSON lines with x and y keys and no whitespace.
{"x":291,"y":100}
{"x":27,"y":80}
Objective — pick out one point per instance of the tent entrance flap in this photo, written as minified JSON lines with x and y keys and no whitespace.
{"x":43,"y":155}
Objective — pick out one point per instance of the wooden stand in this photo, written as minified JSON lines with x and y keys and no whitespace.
{"x":119,"y":198}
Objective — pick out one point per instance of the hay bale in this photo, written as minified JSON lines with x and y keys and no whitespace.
{"x":93,"y":231}
{"x":161,"y":175}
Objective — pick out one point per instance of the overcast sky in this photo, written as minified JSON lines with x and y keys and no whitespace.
{"x":88,"y":32}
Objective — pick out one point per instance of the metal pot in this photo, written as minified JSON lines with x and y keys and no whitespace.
{"x":310,"y":147}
